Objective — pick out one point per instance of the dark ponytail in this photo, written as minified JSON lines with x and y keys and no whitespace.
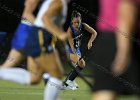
{"x":75,"y":14}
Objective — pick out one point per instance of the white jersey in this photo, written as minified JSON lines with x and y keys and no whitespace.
{"x":59,"y":19}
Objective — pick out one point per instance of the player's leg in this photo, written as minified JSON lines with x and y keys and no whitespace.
{"x":36,"y":72}
{"x":13,"y":59}
{"x":18,"y":75}
{"x":69,"y":82}
{"x":54,"y":69}
{"x":75,"y":58}
{"x":22,"y":76}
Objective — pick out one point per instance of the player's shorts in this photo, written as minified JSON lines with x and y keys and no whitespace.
{"x":32,"y":47}
{"x":78,"y":52}
{"x":20,"y":36}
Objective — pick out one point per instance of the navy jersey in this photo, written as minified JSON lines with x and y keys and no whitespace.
{"x":77,"y":36}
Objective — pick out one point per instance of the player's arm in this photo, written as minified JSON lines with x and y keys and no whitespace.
{"x":123,"y":36}
{"x":70,"y":40}
{"x":93,"y":36}
{"x":30,"y":6}
{"x":54,"y":8}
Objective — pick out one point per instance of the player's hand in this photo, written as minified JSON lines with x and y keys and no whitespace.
{"x":63,"y":36}
{"x":89,"y":45}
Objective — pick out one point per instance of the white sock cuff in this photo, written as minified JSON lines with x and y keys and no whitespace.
{"x":52,"y":88}
{"x":55,"y":82}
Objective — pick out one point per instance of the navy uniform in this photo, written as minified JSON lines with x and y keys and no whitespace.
{"x":77,"y":37}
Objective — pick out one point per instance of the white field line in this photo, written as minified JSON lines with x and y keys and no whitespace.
{"x":33,"y":93}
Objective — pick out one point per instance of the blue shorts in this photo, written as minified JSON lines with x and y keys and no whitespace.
{"x":20,"y":36}
{"x":32,"y":47}
{"x":78,"y":52}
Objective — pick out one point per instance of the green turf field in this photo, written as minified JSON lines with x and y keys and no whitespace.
{"x":12,"y":91}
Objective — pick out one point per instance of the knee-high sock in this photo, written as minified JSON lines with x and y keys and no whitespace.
{"x":17,"y":75}
{"x":73,"y":74}
{"x":52,"y":89}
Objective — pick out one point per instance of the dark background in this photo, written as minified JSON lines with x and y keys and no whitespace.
{"x":9,"y":22}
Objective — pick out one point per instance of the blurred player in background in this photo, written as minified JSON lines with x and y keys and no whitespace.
{"x":113,"y":51}
{"x":128,"y":45}
{"x":76,"y":33}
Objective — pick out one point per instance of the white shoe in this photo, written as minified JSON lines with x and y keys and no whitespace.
{"x":72,"y":85}
{"x":68,"y":88}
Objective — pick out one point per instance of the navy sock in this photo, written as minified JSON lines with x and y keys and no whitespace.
{"x":73,"y":74}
